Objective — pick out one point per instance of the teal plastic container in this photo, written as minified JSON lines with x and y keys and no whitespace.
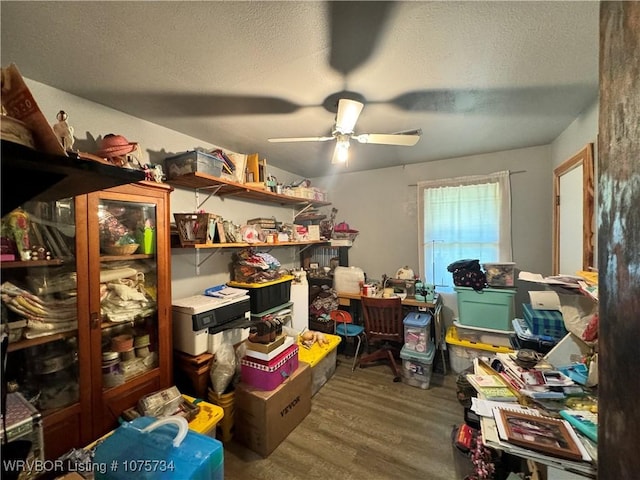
{"x":148,"y":448}
{"x":488,"y":308}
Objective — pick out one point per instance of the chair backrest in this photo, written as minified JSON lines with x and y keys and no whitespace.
{"x":340,"y":316}
{"x":383,"y":318}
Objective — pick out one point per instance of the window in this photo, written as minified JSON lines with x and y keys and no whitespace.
{"x":464,"y":217}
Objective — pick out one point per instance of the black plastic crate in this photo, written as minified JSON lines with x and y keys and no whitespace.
{"x":268,"y":295}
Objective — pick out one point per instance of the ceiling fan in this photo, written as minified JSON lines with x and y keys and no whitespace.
{"x":343,"y":131}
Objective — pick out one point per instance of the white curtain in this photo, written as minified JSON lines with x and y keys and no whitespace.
{"x":464,"y":217}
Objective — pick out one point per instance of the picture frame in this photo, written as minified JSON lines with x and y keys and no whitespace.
{"x":542,"y":434}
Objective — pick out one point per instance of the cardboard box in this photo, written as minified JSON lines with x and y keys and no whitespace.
{"x":263,"y":419}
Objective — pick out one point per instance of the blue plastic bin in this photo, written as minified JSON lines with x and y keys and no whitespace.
{"x":417,"y":331}
{"x":133,"y":452}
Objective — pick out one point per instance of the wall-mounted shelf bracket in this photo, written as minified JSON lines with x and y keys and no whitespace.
{"x":206,"y":258}
{"x":211,"y":192}
{"x":302,"y":249}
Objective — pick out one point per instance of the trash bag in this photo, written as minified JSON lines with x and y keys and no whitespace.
{"x":224,"y":368}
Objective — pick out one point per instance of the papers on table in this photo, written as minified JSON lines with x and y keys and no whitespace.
{"x":567,"y":281}
{"x":225,"y":292}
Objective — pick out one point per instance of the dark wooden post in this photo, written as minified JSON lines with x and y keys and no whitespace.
{"x":618,"y":220}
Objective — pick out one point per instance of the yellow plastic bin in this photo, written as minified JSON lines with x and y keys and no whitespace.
{"x":322,"y":360}
{"x":208,"y":417}
{"x":462,"y":352}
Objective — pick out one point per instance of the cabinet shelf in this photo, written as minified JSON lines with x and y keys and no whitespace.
{"x":32,"y":263}
{"x":117,"y":258}
{"x":32,"y":342}
{"x":227,"y":188}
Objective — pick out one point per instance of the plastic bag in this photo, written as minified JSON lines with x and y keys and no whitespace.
{"x":224,"y":368}
{"x":577,"y":312}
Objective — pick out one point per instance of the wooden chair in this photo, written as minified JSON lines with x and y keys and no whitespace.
{"x":383,"y":327}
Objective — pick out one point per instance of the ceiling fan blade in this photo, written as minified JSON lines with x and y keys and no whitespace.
{"x":356,"y":28}
{"x":299,"y":139}
{"x":347,"y":116}
{"x":403,"y":139}
{"x":195,"y":104}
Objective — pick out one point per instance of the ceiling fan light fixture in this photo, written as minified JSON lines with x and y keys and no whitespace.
{"x":341,"y":152}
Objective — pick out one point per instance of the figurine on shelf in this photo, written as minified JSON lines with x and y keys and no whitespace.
{"x":18,"y":225}
{"x":153,"y":173}
{"x":63,"y":130}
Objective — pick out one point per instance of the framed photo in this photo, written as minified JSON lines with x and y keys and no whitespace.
{"x":543,"y":434}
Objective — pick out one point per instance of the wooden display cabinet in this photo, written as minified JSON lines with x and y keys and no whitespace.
{"x":90,"y":295}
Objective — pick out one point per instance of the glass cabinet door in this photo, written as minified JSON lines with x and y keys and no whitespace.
{"x":128,"y":307}
{"x":40,"y":313}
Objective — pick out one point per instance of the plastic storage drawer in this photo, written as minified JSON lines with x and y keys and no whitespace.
{"x":417,"y":366}
{"x":264,"y":296}
{"x":499,"y":338}
{"x":462,"y":352}
{"x":487,"y":308}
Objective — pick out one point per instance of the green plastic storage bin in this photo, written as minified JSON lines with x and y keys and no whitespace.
{"x":488,"y":308}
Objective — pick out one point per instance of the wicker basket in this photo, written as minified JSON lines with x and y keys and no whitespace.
{"x":121,"y":249}
{"x":193,"y":228}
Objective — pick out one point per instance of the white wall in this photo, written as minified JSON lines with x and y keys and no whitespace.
{"x":583,"y":130}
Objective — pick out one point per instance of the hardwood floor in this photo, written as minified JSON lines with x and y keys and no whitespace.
{"x":362,"y":425}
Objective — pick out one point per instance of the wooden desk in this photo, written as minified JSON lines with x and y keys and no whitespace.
{"x":344,"y":299}
{"x":435,"y":307}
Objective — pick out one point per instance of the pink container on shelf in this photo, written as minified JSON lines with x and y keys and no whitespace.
{"x":267,"y":375}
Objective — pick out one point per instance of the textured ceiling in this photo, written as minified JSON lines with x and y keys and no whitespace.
{"x":476,"y":77}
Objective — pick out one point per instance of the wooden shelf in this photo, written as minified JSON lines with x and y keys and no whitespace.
{"x":244,"y":244}
{"x":227,"y":188}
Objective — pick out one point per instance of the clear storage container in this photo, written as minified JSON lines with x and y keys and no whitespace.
{"x":417,"y":332}
{"x":500,"y":274}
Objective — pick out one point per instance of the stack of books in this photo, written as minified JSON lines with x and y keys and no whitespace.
{"x":491,"y":387}
{"x":539,"y":382}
